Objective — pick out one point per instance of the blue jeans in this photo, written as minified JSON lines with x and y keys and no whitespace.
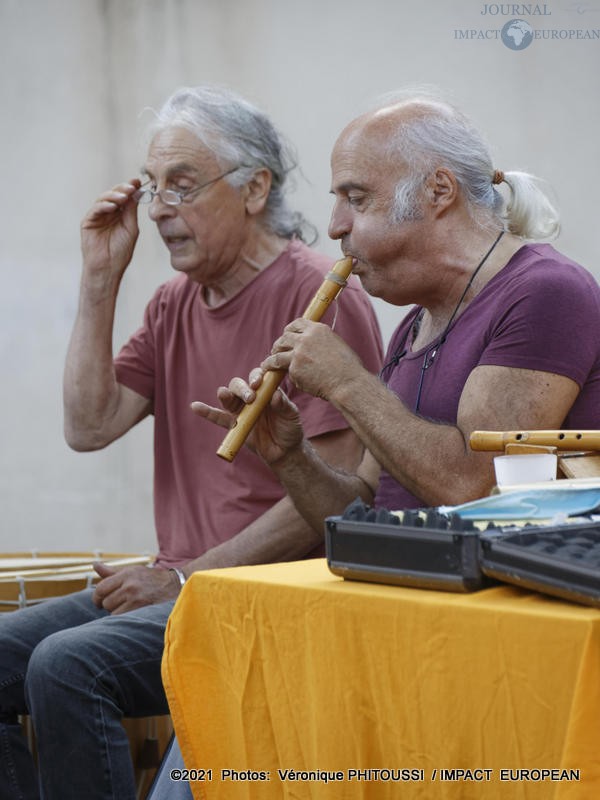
{"x":164,"y":787}
{"x":77,"y":671}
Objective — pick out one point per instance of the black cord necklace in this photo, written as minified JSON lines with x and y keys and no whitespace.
{"x":433,"y":349}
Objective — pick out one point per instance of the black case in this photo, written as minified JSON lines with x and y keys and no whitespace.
{"x":563,"y":561}
{"x":417,"y":556}
{"x":428,"y":549}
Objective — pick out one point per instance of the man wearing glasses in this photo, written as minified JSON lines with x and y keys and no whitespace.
{"x":213,"y":182}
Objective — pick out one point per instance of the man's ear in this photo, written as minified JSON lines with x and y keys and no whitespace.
{"x":256,"y":191}
{"x":441,"y":190}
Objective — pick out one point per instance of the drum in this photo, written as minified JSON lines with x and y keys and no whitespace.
{"x":27,"y":578}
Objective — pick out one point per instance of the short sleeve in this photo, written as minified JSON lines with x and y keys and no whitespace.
{"x":551,"y":325}
{"x":135,"y":365}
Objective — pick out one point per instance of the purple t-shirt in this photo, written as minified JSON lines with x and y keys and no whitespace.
{"x":541,"y":312}
{"x":185,"y":350}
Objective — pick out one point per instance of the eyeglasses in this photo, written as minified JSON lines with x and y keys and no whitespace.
{"x":172,"y":198}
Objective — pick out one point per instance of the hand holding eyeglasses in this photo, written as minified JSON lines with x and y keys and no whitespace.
{"x":109,"y":231}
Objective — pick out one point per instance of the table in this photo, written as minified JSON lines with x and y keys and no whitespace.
{"x":288,"y":667}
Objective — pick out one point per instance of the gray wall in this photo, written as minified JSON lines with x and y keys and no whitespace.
{"x":76,"y":76}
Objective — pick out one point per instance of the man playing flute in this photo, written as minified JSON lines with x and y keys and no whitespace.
{"x":504,"y":333}
{"x":214,"y":181}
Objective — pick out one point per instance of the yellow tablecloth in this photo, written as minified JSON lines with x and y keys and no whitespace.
{"x":287,"y":667}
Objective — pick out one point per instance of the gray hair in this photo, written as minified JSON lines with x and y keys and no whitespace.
{"x":238,"y":133}
{"x":440,"y":135}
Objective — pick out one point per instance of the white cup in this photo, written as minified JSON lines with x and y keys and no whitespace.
{"x":526,"y":468}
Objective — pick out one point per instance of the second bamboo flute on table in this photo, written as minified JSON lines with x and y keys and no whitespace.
{"x":563,"y":440}
{"x":334,"y":282}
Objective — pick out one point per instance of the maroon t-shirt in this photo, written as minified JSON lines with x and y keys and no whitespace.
{"x":541,"y":312}
{"x":185,"y":350}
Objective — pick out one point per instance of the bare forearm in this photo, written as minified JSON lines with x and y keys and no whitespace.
{"x":425,"y":457}
{"x":431,"y":460}
{"x":317,"y":489}
{"x":295,"y":525}
{"x":280,"y":534}
{"x":97,"y":409}
{"x":434,"y":460}
{"x":90,"y":389}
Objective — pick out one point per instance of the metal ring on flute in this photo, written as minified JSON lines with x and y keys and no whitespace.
{"x":335,"y":278}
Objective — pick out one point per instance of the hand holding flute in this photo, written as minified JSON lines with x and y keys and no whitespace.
{"x":277,"y":364}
